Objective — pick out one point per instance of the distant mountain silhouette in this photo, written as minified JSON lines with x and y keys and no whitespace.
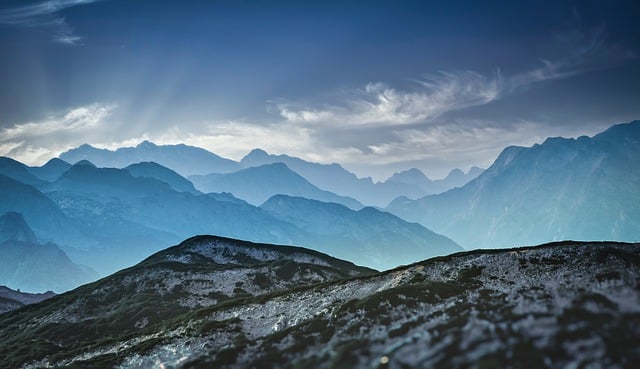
{"x":415,"y":177}
{"x":585,"y":188}
{"x":411,"y":176}
{"x":257,"y":184}
{"x":84,"y":177}
{"x":193,"y":161}
{"x":164,"y":174}
{"x":51,"y":170}
{"x":14,"y":228}
{"x":334,"y":178}
{"x":367,"y":237}
{"x":13,"y":299}
{"x":30,"y":266}
{"x":186,"y":160}
{"x":19,"y":172}
{"x":109,"y":219}
{"x":142,"y":215}
{"x":117,"y":204}
{"x":49,"y":223}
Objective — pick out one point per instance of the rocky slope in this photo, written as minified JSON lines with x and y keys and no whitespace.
{"x":557,"y":305}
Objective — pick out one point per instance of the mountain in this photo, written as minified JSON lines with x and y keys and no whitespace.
{"x":12,"y":299}
{"x":46,"y":219}
{"x":201,"y":272}
{"x":19,"y":172}
{"x":161,"y":173}
{"x":186,"y":160}
{"x":134,"y":216}
{"x":334,"y":178}
{"x":584,"y":188}
{"x":51,"y":170}
{"x":14,"y":228}
{"x":218,"y":303}
{"x":329,"y":177}
{"x":191,"y":161}
{"x":109,"y":219}
{"x":142,"y":215}
{"x":257,"y":184}
{"x":414,"y":177}
{"x":30,"y":266}
{"x":367,"y":236}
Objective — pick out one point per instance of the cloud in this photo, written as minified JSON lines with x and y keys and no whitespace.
{"x":588,"y":51}
{"x":380,"y":104}
{"x":45,"y":14}
{"x":36,"y":142}
{"x":435,"y":95}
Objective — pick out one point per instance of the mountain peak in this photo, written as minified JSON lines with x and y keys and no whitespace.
{"x":84,"y":163}
{"x":258,"y":152}
{"x":150,"y":169}
{"x":455,"y":173}
{"x":13,"y":227}
{"x":55,"y":162}
{"x":556,"y":141}
{"x":410,"y":176}
{"x":146,"y":144}
{"x":253,"y":156}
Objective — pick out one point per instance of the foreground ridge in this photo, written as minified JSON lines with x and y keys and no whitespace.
{"x":556,"y":305}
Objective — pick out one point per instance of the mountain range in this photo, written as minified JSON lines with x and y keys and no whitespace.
{"x":212,"y":302}
{"x":186,"y":160}
{"x":333,"y":177}
{"x":586,"y":189}
{"x":110,"y":218}
{"x":206,"y":170}
{"x":257,"y":184}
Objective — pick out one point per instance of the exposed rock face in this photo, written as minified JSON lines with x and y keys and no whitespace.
{"x":558,"y":305}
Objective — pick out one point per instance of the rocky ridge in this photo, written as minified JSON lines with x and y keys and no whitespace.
{"x":569,"y":304}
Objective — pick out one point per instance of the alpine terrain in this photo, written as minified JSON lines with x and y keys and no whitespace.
{"x":212,"y":302}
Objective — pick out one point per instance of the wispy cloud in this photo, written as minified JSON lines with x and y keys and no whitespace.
{"x":35,"y":142}
{"x":434,"y":95}
{"x":588,"y":51}
{"x":45,"y":14}
{"x":380,"y":104}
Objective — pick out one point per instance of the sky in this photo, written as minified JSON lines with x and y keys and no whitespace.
{"x":378,"y":86}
